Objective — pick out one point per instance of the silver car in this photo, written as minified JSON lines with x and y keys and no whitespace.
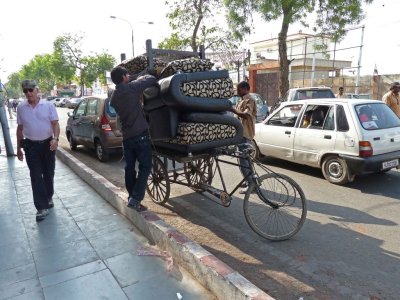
{"x":343,"y":137}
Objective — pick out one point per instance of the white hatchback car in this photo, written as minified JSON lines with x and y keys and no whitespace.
{"x":343,"y":137}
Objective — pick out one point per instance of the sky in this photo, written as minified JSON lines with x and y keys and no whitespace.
{"x":27,"y":30}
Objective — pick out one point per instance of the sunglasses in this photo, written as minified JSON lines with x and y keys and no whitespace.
{"x":28,"y":90}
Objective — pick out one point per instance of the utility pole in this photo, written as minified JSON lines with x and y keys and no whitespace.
{"x":4,"y":124}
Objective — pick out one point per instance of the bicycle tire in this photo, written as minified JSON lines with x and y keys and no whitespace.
{"x":275,"y":208}
{"x":158,"y":185}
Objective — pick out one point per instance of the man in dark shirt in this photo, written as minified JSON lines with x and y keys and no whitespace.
{"x":136,"y":140}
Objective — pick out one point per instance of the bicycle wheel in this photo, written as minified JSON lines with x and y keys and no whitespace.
{"x":158,"y":186}
{"x":199,"y":171}
{"x":275,"y":208}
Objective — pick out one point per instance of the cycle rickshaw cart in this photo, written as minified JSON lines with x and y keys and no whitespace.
{"x":274,"y":205}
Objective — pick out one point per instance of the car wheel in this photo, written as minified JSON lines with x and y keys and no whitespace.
{"x":101,"y":152}
{"x":335,"y":170}
{"x":72,"y":143}
{"x":256,"y":153}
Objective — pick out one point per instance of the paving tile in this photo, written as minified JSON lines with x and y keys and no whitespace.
{"x":117,"y":242}
{"x":36,"y":295}
{"x":17,"y":274}
{"x":9,"y":210}
{"x":15,"y":255}
{"x":73,"y":190}
{"x":62,"y":257}
{"x":100,"y":285}
{"x":99,"y":226}
{"x":96,"y":211}
{"x":129,"y":268}
{"x":166,"y":287}
{"x":72,"y":273}
{"x":20,"y":288}
{"x":46,"y":234}
{"x":87,"y":199}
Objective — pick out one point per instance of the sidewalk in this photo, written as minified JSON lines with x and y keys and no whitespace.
{"x":84,"y":249}
{"x":90,"y":249}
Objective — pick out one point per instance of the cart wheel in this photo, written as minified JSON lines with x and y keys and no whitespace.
{"x":158,"y":186}
{"x":199,"y":171}
{"x":276,"y":207}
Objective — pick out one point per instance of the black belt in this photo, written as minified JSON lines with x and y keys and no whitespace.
{"x":39,"y":142}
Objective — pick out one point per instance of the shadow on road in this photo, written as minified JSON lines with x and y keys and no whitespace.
{"x":335,"y":260}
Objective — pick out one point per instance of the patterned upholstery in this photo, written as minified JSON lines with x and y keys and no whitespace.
{"x":199,"y":132}
{"x":194,"y":133}
{"x":189,"y":91}
{"x":139,"y":63}
{"x":187,"y":65}
{"x":209,"y":88}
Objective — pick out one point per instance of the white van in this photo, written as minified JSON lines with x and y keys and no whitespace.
{"x":343,"y":137}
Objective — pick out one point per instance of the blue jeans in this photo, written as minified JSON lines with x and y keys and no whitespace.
{"x":41,"y":163}
{"x":244,"y":163}
{"x":137,"y":148}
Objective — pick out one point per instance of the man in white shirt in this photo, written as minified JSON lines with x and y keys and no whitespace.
{"x":341,"y":93}
{"x":37,"y":133}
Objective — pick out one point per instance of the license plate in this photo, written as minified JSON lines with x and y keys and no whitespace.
{"x":390,"y":164}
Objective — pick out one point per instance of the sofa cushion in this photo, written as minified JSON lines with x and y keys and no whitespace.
{"x":186,"y":65}
{"x":219,"y":88}
{"x":139,"y":63}
{"x":195,"y":133}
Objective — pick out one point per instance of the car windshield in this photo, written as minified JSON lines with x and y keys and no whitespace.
{"x":110,"y":110}
{"x":374,"y":116}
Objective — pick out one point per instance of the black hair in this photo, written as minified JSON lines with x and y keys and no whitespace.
{"x":117,"y":73}
{"x":244,"y":84}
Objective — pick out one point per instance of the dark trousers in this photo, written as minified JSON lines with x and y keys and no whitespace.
{"x":244,"y":163}
{"x":137,"y":149}
{"x":41,"y":162}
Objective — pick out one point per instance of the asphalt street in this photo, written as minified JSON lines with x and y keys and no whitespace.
{"x":348,"y":248}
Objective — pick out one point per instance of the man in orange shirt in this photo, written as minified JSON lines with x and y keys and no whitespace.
{"x":246,"y":110}
{"x":392,"y":98}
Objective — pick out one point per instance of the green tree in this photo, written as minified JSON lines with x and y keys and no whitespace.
{"x":332,"y":17}
{"x":39,"y":69}
{"x":68,"y":46}
{"x":193,"y":23}
{"x":13,"y":85}
{"x":69,"y":52}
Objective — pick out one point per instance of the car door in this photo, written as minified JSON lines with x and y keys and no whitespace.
{"x":316,"y":136}
{"x":89,"y":120}
{"x":276,"y":135}
{"x":76,"y":124}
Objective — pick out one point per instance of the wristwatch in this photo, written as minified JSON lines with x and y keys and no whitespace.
{"x":56,"y":138}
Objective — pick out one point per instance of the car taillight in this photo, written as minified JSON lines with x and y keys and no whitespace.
{"x":365,"y":149}
{"x":105,"y":126}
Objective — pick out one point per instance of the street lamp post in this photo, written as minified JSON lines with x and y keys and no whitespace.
{"x":132,"y":35}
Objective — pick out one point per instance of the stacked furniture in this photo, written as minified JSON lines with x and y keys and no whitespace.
{"x":187,"y":110}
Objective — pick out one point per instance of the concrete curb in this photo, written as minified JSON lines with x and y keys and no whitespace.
{"x":212,"y":273}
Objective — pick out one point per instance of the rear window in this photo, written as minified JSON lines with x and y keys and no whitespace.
{"x":313,"y":94}
{"x":374,"y":116}
{"x":110,"y":111}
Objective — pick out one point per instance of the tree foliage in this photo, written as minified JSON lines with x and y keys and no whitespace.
{"x":65,"y":64}
{"x":68,"y":49}
{"x":332,"y":17}
{"x":195,"y":23}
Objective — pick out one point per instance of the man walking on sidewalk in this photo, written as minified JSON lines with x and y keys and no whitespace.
{"x":136,"y":139}
{"x":37,"y":133}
